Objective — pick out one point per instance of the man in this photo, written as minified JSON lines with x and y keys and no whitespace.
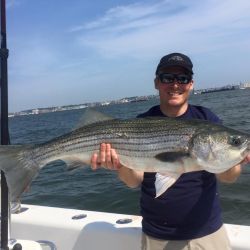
{"x":187,"y":215}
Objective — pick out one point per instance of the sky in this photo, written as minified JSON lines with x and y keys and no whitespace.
{"x":71,"y":52}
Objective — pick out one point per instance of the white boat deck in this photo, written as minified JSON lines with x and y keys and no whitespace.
{"x":93,"y":230}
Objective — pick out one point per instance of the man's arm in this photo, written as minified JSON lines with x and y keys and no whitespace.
{"x":130,"y":177}
{"x":109,"y":159}
{"x":232,"y":174}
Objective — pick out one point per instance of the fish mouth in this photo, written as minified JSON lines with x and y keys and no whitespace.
{"x":245,"y":149}
{"x":248,"y":148}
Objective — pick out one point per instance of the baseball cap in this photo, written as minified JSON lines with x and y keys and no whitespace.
{"x":175,"y":59}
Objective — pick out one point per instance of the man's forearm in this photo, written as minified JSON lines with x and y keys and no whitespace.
{"x":230,"y":175}
{"x":130,"y":177}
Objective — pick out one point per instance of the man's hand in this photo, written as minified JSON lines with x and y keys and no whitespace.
{"x":246,"y":160}
{"x":233,"y":173}
{"x":107,"y":158}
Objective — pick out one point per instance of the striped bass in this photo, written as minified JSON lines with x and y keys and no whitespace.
{"x":167,"y":146}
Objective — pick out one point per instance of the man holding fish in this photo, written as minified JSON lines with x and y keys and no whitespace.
{"x":186,"y":213}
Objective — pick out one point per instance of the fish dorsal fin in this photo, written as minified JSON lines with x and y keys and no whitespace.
{"x":91,"y":116}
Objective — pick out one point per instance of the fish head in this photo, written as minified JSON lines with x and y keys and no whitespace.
{"x":220,"y":149}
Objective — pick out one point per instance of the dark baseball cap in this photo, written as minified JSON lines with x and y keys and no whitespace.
{"x":175,"y":59}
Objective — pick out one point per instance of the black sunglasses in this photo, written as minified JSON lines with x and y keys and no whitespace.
{"x":168,"y":78}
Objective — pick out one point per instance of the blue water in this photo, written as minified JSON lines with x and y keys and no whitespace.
{"x":101,"y":190}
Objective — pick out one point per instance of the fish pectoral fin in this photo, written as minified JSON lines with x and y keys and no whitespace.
{"x":73,"y":162}
{"x":171,"y":156}
{"x":164,"y":182}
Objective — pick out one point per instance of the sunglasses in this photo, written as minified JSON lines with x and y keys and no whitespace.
{"x":167,"y":78}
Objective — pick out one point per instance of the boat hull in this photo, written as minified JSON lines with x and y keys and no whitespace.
{"x":80,"y":229}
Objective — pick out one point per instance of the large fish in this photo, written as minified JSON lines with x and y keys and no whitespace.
{"x":167,"y":146}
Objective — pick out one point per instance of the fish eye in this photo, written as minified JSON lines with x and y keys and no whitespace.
{"x":235,"y":141}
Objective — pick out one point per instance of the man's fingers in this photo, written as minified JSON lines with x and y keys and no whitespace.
{"x":115,"y":160}
{"x":109,"y":163}
{"x":107,"y":158}
{"x":103,"y":154}
{"x":246,"y":160}
{"x":94,"y":161}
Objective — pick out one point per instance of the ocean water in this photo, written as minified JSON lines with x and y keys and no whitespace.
{"x":101,"y":190}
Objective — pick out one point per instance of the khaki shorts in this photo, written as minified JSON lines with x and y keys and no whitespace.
{"x":215,"y":241}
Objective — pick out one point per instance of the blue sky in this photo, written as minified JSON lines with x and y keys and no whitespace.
{"x":71,"y":52}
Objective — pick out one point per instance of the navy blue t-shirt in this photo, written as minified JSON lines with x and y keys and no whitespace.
{"x":190,"y":208}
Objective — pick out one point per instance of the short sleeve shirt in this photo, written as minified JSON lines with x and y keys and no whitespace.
{"x":190,"y":208}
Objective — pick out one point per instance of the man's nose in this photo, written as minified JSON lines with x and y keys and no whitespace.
{"x":175,"y":83}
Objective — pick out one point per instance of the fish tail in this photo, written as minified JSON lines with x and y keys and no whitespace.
{"x":18,"y":169}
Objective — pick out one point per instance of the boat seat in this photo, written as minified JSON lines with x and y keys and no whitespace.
{"x":47,"y":245}
{"x":31,"y":245}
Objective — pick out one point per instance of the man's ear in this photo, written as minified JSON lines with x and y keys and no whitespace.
{"x":191,"y":85}
{"x":156,"y":81}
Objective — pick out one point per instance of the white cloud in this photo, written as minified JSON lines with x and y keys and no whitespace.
{"x":147,"y":29}
{"x":120,"y":15}
{"x":123,"y":46}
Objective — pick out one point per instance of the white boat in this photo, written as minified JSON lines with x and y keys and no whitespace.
{"x":40,"y":227}
{"x":50,"y":228}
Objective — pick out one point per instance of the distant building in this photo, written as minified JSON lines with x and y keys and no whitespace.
{"x":35,"y":111}
{"x":245,"y":85}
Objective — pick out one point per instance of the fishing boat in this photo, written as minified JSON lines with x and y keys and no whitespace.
{"x":41,"y":227}
{"x":33,"y":227}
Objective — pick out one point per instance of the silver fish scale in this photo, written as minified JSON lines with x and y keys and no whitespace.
{"x":135,"y":137}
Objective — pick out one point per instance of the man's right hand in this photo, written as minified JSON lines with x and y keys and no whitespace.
{"x":109,"y":159}
{"x":106,"y":158}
